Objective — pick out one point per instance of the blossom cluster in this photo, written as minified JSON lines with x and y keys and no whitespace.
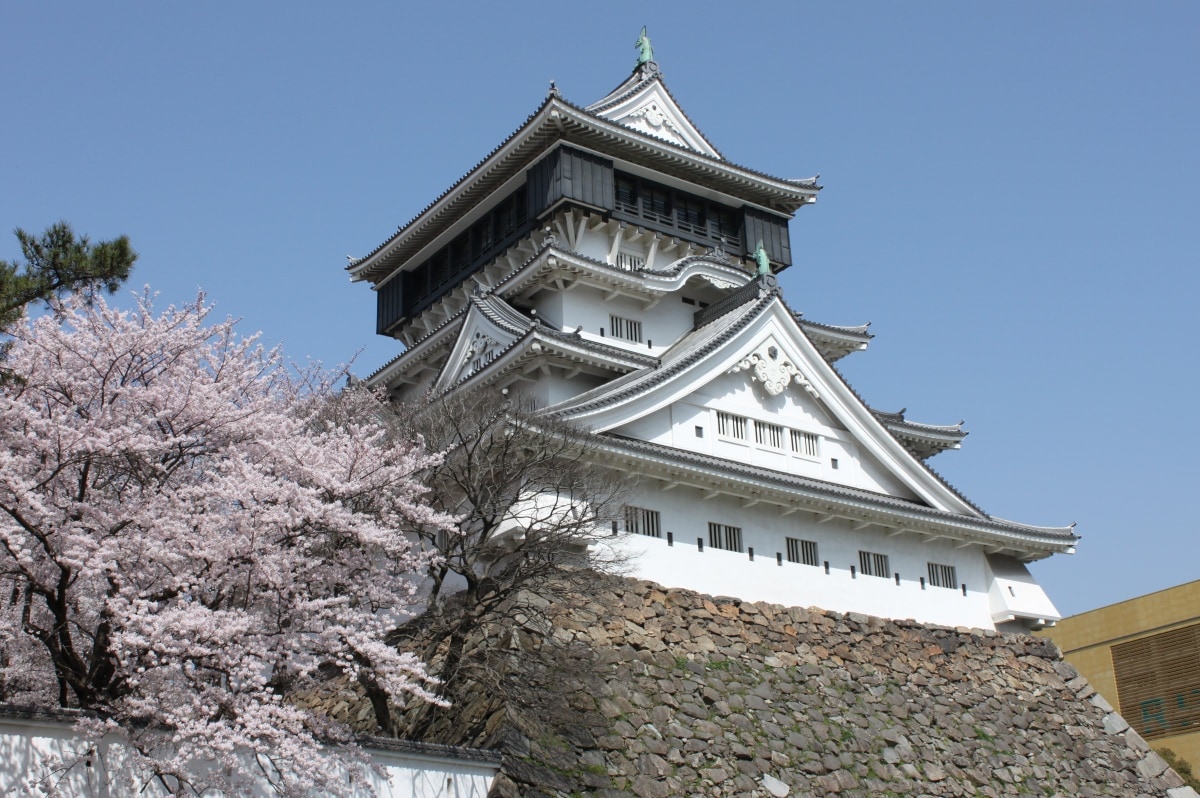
{"x":190,"y":532}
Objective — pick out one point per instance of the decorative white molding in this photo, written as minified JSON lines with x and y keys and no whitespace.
{"x":773,"y":371}
{"x":482,"y":351}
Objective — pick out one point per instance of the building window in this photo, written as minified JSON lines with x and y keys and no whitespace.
{"x":628,"y":329}
{"x":802,"y":551}
{"x":723,"y":536}
{"x":942,"y":575}
{"x":629,"y":261}
{"x":656,"y":203}
{"x":768,"y":434}
{"x":731,"y":426}
{"x":641,"y":521}
{"x":690,"y":214}
{"x":872,"y":564}
{"x":804,"y":444}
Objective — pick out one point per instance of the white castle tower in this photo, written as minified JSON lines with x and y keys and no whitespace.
{"x":610,"y":262}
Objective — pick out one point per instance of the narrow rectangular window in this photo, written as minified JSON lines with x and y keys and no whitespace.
{"x":731,"y":426}
{"x":641,"y":521}
{"x":628,"y":329}
{"x":656,"y":203}
{"x":723,"y":536}
{"x":627,"y":195}
{"x":802,"y":551}
{"x":766,"y":434}
{"x":872,"y":564}
{"x":690,"y":215}
{"x":942,"y":575}
{"x":804,"y":443}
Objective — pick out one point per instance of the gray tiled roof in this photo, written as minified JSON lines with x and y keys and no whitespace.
{"x":539,"y":132}
{"x":1055,"y":538}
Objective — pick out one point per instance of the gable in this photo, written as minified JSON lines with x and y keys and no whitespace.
{"x":755,"y":363}
{"x":652,"y":110}
{"x":739,"y":419}
{"x":479,"y":343}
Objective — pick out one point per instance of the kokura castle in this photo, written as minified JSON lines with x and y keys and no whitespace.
{"x":608,"y":261}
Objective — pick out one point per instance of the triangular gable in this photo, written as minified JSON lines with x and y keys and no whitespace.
{"x":761,"y":344}
{"x":480,"y":341}
{"x":649,"y":108}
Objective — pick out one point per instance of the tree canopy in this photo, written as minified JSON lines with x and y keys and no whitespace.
{"x":58,"y":263}
{"x":189,"y":533}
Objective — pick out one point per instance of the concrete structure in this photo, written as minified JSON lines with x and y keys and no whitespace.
{"x":39,"y":751}
{"x":1143,"y":656}
{"x":610,"y":262}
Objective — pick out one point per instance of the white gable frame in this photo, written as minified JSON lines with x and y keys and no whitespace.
{"x":775,"y":326}
{"x":652,"y":110}
{"x":479,"y":343}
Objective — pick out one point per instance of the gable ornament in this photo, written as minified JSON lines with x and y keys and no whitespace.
{"x":655,"y":118}
{"x":483,"y":350}
{"x":773,"y":372}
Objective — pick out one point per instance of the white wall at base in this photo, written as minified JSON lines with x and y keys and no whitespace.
{"x":727,"y":573}
{"x":34,"y":749}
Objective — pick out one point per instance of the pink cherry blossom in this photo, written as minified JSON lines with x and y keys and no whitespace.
{"x":190,"y":532}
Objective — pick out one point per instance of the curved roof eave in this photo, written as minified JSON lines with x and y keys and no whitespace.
{"x":555,"y":120}
{"x":645,"y":281}
{"x":1034,"y":540}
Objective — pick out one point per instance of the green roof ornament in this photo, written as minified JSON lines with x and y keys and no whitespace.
{"x":645,"y":51}
{"x":760,"y":257}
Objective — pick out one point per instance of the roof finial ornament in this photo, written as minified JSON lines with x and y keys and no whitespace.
{"x":553,"y":89}
{"x":760,"y":257}
{"x":645,"y":62}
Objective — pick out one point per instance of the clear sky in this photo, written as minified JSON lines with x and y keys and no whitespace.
{"x":1012,"y":197}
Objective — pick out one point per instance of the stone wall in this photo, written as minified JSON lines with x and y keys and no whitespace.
{"x":644,"y":691}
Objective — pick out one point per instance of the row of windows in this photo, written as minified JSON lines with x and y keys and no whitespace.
{"x":640,"y":521}
{"x":772,"y":436}
{"x":872,"y":563}
{"x":653,"y":202}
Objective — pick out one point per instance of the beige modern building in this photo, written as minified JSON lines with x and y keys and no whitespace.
{"x":1143,"y":656}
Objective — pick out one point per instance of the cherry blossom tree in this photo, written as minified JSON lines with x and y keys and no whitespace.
{"x":190,"y":532}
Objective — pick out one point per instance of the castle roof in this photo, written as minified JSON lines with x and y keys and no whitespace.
{"x":688,"y":157}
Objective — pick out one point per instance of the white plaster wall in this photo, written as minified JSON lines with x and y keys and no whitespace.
{"x":662,"y":324}
{"x":733,"y":393}
{"x":549,"y":307}
{"x":594,"y":244}
{"x":1015,"y":594}
{"x":32,"y":751}
{"x":686,"y":513}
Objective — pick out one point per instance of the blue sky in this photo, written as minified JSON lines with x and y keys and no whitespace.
{"x":1012,"y":197}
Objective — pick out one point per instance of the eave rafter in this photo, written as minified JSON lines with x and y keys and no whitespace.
{"x":1026,"y":544}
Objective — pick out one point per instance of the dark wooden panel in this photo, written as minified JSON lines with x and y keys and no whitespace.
{"x":569,"y":174}
{"x":389,"y":303}
{"x":773,"y":232}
